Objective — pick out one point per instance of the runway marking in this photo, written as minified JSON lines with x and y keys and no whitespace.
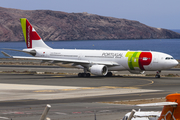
{"x":89,"y":112}
{"x":69,"y":89}
{"x":86,"y":88}
{"x":4,"y":86}
{"x":76,"y":112}
{"x":107,"y":87}
{"x":45,"y":91}
{"x":58,"y":76}
{"x":105,"y":111}
{"x":151,"y":82}
{"x":140,"y":94}
{"x":4,"y":118}
{"x":59,"y":113}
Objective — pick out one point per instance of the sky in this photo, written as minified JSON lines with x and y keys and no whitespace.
{"x":155,"y":13}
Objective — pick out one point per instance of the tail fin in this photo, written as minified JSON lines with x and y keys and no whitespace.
{"x":32,"y":39}
{"x":171,"y":112}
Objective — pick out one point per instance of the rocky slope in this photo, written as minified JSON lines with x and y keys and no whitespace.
{"x":56,"y":25}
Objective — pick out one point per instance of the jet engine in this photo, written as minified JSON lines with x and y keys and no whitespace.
{"x":98,"y":70}
{"x":136,"y":72}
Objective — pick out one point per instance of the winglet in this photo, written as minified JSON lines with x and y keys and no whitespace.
{"x":5,"y":54}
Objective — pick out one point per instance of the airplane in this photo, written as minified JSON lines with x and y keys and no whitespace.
{"x":171,"y":110}
{"x":96,"y":62}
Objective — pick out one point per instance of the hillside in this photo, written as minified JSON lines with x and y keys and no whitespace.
{"x":56,"y":25}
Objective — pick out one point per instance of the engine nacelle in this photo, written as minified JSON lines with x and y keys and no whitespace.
{"x":136,"y":72}
{"x":98,"y":70}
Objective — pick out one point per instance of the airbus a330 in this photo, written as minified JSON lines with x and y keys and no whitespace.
{"x":97,"y":62}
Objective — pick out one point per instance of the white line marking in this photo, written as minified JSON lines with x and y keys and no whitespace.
{"x":59,"y":113}
{"x":4,"y":118}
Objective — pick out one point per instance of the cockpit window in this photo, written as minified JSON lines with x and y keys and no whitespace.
{"x":168,"y":58}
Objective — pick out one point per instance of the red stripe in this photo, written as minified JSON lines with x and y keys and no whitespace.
{"x":142,"y":62}
{"x":30,"y":35}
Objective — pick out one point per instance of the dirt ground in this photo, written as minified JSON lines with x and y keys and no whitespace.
{"x":135,"y":102}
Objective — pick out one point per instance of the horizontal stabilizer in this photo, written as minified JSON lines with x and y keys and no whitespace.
{"x":29,"y":51}
{"x":12,"y":49}
{"x":5,"y":54}
{"x":157,"y":104}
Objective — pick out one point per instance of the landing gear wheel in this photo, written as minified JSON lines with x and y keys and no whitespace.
{"x":79,"y":74}
{"x":157,"y":76}
{"x":109,"y":74}
{"x":88,"y":74}
{"x":84,"y":74}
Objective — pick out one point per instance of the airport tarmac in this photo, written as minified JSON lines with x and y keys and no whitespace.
{"x":24,"y":96}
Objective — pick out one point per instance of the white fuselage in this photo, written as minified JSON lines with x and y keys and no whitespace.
{"x":127,"y":60}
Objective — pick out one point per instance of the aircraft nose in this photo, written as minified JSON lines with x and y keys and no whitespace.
{"x":176,"y":62}
{"x":171,"y":63}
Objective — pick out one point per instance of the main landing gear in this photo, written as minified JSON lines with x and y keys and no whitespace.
{"x":84,"y":74}
{"x":158,"y":74}
{"x":109,"y":74}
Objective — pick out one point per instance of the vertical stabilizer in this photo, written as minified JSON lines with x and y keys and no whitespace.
{"x":171,"y":112}
{"x":32,"y":39}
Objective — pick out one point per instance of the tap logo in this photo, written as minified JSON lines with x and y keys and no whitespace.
{"x":29,"y":32}
{"x":138,"y":59}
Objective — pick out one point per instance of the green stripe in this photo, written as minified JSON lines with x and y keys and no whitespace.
{"x":23,"y":25}
{"x":133,"y":59}
{"x":131,"y":64}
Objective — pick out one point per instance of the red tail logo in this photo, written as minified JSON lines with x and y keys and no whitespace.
{"x":31,"y":34}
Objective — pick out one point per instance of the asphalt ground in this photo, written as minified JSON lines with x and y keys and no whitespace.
{"x":24,"y":96}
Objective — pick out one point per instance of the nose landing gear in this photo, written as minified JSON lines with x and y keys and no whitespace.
{"x":158,"y":74}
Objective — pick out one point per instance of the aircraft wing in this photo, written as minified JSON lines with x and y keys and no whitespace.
{"x":157,"y":104}
{"x":64,"y":60}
